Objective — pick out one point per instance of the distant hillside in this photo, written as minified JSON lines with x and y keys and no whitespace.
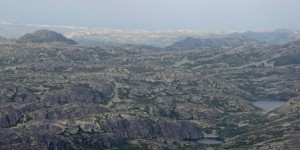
{"x":190,"y":43}
{"x":147,"y":47}
{"x":290,"y":54}
{"x":272,"y":36}
{"x":45,"y":36}
{"x":4,"y":40}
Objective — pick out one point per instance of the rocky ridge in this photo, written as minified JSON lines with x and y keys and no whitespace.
{"x":97,"y":97}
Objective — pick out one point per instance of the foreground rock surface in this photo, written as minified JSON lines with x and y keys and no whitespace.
{"x":60,"y":96}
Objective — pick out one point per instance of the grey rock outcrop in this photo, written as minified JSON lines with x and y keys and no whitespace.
{"x":20,"y":139}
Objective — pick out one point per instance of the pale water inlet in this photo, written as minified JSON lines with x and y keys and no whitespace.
{"x":268,"y":105}
{"x":209,"y":141}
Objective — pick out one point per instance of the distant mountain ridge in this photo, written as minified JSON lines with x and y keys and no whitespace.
{"x":279,"y":36}
{"x":45,"y":36}
{"x":163,"y":39}
{"x":190,"y":43}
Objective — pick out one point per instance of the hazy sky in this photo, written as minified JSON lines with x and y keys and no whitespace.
{"x":156,"y":14}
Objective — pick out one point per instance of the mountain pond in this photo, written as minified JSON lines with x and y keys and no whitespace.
{"x":268,"y":105}
{"x":209,"y":141}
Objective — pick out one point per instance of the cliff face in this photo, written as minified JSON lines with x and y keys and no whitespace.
{"x":19,"y":138}
{"x":71,"y":116}
{"x":113,"y":133}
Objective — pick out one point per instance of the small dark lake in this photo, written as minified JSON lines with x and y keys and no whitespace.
{"x":268,"y":105}
{"x":209,"y":141}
